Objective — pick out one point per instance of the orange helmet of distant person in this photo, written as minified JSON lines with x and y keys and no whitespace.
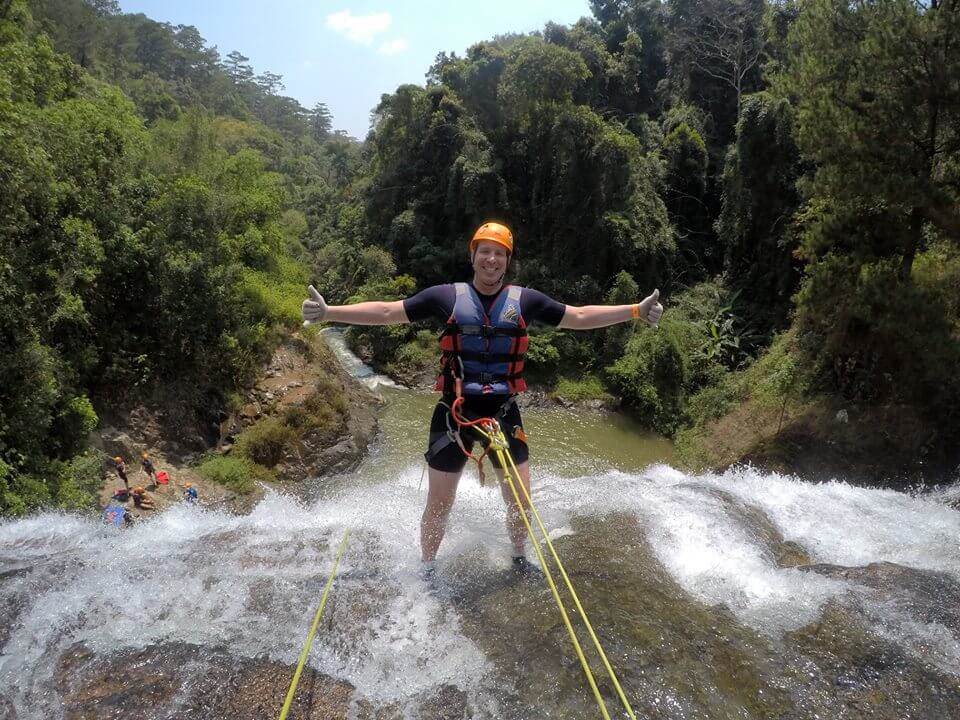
{"x":494,"y":232}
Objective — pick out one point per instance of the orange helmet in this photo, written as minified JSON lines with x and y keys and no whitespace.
{"x":494,"y":232}
{"x":118,"y":459}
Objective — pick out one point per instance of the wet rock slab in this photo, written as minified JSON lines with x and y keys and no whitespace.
{"x":187,"y":681}
{"x":679,"y":658}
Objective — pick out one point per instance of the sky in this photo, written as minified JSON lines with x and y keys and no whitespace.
{"x":347,"y":54}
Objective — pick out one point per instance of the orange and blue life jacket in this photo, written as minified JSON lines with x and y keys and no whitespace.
{"x":485,"y":351}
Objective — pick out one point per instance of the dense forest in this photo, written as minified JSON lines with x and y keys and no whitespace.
{"x":788,"y":173}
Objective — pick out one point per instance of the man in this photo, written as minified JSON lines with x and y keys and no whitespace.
{"x":121,"y":468}
{"x":483,"y":349}
{"x":146,"y":465}
{"x":142,"y":499}
{"x":189,"y":493}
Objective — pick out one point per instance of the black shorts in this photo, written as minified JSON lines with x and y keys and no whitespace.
{"x":451,"y":458}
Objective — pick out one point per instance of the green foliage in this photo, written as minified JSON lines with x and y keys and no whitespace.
{"x":140,"y":242}
{"x":759,"y":199}
{"x":877,"y":111}
{"x":539,"y":72}
{"x":686,"y":161}
{"x":416,"y":357}
{"x":265,"y":442}
{"x":73,"y":424}
{"x":543,"y":361}
{"x":875,"y":338}
{"x":79,"y":481}
{"x":587,"y":387}
{"x":624,"y":291}
{"x":651,"y":376}
{"x":235,"y":473}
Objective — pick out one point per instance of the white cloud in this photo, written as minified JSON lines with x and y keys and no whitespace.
{"x":358,"y":28}
{"x":393,"y":47}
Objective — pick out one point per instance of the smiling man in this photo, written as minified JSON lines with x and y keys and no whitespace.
{"x":483,"y":348}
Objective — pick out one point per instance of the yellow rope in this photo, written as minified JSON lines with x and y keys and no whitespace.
{"x":313,"y":630}
{"x":573,"y":593}
{"x":500,"y":446}
{"x":556,"y":594}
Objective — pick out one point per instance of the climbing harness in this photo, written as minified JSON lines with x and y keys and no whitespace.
{"x":452,"y":436}
{"x":313,"y":630}
{"x":490,"y":429}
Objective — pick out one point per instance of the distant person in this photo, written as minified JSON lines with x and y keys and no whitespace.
{"x":146,"y":464}
{"x":142,"y":499}
{"x":121,"y":469}
{"x":483,"y":348}
{"x":116,"y":515}
{"x":189,"y":493}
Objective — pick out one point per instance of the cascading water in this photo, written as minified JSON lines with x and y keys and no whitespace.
{"x":734,"y":595}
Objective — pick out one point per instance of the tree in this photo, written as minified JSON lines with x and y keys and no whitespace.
{"x":878,"y":105}
{"x":877,"y":93}
{"x":270,"y":83}
{"x":715,"y":48}
{"x":321,"y":122}
{"x":238,"y":68}
{"x":760,"y":197}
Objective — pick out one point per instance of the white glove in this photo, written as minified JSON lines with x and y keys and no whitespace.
{"x":313,"y":309}
{"x":651,"y":309}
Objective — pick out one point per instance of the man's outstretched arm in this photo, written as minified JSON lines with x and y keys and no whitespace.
{"x":315,"y":309}
{"x":589,"y":317}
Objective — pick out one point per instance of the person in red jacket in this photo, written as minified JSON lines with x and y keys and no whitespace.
{"x":482,"y":349}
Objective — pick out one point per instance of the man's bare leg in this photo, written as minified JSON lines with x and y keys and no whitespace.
{"x":515,"y":526}
{"x":440,"y":497}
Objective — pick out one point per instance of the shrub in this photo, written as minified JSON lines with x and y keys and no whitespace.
{"x":652,"y":374}
{"x":416,"y":356}
{"x":265,"y":441}
{"x":543,"y":357}
{"x":78,"y":482}
{"x":588,"y":387}
{"x":236,"y":473}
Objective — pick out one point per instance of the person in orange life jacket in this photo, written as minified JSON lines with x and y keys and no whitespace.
{"x":484,"y":345}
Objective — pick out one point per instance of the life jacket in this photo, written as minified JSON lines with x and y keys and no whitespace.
{"x":485,"y":352}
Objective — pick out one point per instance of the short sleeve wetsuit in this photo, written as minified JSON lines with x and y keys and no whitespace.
{"x":437,"y":302}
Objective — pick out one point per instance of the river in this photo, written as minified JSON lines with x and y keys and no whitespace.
{"x":742,"y":594}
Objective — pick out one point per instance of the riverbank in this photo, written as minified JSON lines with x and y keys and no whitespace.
{"x":304,"y":418}
{"x":826,"y":439}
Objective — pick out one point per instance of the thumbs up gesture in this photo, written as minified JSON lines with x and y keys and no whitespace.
{"x":651,"y":309}
{"x":314,"y":308}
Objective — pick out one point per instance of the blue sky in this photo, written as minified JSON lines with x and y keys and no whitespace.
{"x":347,"y":54}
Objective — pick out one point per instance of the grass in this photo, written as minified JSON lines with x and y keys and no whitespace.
{"x":588,"y":387}
{"x":236,"y":473}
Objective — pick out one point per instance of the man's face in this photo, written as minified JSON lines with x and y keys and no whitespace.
{"x":490,"y":261}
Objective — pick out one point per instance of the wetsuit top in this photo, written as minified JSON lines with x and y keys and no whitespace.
{"x":437,"y":302}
